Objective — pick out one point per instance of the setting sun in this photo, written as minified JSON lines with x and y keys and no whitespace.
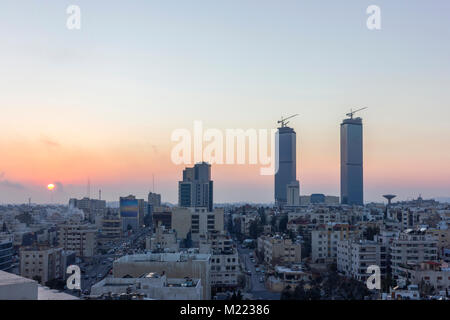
{"x":51,"y":186}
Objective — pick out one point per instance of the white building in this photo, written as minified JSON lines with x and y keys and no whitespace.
{"x":173,"y":265}
{"x":354,"y":257}
{"x":152,"y":286}
{"x":411,"y":247}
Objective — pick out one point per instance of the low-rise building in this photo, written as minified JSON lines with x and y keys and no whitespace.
{"x":412,"y":246}
{"x":279,"y":250}
{"x":14,"y":287}
{"x":151,"y":286}
{"x":42,"y":263}
{"x":162,"y":240}
{"x":224,"y":259}
{"x":436,"y":274}
{"x":285,"y":276}
{"x":173,"y":265}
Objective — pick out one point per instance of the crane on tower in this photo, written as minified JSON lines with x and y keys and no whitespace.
{"x":351,"y":113}
{"x":284,"y":122}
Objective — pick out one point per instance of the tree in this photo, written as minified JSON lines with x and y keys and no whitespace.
{"x":286,"y":293}
{"x":37,"y":278}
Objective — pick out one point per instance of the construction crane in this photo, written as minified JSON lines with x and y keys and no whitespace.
{"x":353,"y":112}
{"x":284,"y":122}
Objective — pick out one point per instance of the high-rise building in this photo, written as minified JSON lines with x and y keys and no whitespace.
{"x":154,"y":200}
{"x":352,"y":162}
{"x":196,"y":189}
{"x":285,"y":158}
{"x":132,"y":212}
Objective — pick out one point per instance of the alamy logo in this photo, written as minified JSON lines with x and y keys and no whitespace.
{"x":229,"y":147}
{"x":74,"y":20}
{"x":374,"y":20}
{"x":374,"y":280}
{"x":74,"y":280}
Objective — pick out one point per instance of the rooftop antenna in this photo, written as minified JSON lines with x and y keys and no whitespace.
{"x":153,"y":187}
{"x":89,"y":188}
{"x":351,"y":113}
{"x":284,"y":122}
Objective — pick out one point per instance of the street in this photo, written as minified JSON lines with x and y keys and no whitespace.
{"x":254,"y":286}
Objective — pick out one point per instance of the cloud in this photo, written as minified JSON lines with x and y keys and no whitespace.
{"x":9,"y":184}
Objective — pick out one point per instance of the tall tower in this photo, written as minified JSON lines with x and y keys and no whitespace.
{"x":352,"y":161}
{"x":286,"y":160}
{"x":196,"y":189}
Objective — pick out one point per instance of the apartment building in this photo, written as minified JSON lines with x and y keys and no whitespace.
{"x":324,"y":241}
{"x":411,"y":247}
{"x":77,"y":236}
{"x":162,"y":240}
{"x":224,"y":259}
{"x":279,"y":250}
{"x":198,"y":221}
{"x":42,"y":263}
{"x":354,"y":257}
{"x":109,"y":227}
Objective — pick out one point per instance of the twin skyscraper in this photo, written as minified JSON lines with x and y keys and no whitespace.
{"x":286,"y":184}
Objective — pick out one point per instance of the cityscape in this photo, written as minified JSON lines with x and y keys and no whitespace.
{"x":324,"y":173}
{"x":306,"y":247}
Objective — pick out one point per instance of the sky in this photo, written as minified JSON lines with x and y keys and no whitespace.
{"x":101,"y":103}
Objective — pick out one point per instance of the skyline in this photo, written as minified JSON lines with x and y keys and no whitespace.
{"x":101,"y":103}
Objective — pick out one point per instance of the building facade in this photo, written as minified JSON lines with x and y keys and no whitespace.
{"x":352,"y":162}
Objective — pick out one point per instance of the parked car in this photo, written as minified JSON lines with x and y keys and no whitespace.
{"x":261,"y":279}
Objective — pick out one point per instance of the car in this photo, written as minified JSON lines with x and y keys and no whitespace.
{"x":249,"y":272}
{"x":261,"y":279}
{"x":257,"y":269}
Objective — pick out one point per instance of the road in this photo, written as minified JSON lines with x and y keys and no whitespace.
{"x":254,"y":286}
{"x":102,"y":264}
